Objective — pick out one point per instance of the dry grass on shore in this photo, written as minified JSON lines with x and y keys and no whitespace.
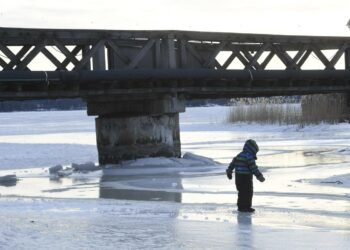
{"x":311,"y":109}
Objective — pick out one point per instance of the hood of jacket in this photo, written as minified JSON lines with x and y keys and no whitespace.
{"x":251,"y":147}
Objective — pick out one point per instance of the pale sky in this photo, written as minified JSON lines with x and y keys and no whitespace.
{"x":299,"y":17}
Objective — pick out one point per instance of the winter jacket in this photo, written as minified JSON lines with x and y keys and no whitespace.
{"x":244,"y":162}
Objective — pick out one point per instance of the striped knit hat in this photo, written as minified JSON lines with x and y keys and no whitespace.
{"x":251,"y":147}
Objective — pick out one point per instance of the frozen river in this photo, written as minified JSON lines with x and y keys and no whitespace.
{"x":166,"y":204}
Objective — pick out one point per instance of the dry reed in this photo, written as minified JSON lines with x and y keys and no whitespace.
{"x":312,"y":109}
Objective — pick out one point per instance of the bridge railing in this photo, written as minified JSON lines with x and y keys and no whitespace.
{"x":74,"y":50}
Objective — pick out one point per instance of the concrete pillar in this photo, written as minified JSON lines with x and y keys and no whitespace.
{"x":135,"y":129}
{"x":347,"y":67}
{"x":347,"y":106}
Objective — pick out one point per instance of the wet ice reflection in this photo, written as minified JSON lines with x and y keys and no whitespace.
{"x":149,"y":188}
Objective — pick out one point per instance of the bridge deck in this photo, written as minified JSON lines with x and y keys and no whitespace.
{"x":191,"y":84}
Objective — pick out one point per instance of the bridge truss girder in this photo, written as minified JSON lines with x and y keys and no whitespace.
{"x":114,"y":50}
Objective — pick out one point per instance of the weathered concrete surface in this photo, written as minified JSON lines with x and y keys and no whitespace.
{"x":135,"y":129}
{"x":136,"y":107}
{"x":122,"y":138}
{"x":348,"y":106}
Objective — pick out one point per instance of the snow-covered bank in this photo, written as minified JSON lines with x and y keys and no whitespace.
{"x":187,"y":160}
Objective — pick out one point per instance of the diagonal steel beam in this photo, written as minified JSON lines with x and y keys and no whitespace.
{"x":74,"y":53}
{"x":30,"y":56}
{"x":254,"y":59}
{"x":199,"y":58}
{"x":53,"y":59}
{"x":267,"y":60}
{"x":212,"y":59}
{"x":240,"y":57}
{"x":304,"y":58}
{"x":13,"y":58}
{"x":321,"y":56}
{"x":299,"y":54}
{"x":194,"y":53}
{"x":66,"y":52}
{"x":337,"y":56}
{"x":285,"y":58}
{"x":7,"y":52}
{"x":229,"y":60}
{"x":18,"y":57}
{"x":86,"y":58}
{"x":141,"y":54}
{"x":249,"y":58}
{"x":118,"y":52}
{"x":3,"y":64}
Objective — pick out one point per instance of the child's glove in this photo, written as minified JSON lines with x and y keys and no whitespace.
{"x":229,"y":174}
{"x":261,"y":178}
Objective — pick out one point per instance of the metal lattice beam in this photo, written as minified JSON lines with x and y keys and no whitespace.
{"x":170,"y":49}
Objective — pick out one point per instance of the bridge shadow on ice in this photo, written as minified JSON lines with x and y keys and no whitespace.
{"x":140,"y":186}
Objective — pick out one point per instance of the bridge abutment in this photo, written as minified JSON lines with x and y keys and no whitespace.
{"x":135,"y":129}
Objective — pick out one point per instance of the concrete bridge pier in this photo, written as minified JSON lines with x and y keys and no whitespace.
{"x":137,"y":128}
{"x":348,"y":105}
{"x":347,"y":67}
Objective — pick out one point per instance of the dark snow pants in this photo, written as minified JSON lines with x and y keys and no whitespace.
{"x":244,"y":185}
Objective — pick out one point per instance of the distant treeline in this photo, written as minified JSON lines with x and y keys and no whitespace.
{"x":73,"y":104}
{"x":36,"y":105}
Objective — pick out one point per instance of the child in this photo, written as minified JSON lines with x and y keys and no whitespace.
{"x":245,"y":167}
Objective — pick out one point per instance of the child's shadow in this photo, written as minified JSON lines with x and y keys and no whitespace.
{"x":244,"y":219}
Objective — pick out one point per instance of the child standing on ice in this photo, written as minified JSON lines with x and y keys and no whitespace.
{"x":245,"y":167}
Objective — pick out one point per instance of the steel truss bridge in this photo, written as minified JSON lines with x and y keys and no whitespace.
{"x":136,"y":82}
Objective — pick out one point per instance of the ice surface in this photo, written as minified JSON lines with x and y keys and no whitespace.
{"x":343,"y":151}
{"x":111,"y":224}
{"x":171,"y":203}
{"x":335,"y":180}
